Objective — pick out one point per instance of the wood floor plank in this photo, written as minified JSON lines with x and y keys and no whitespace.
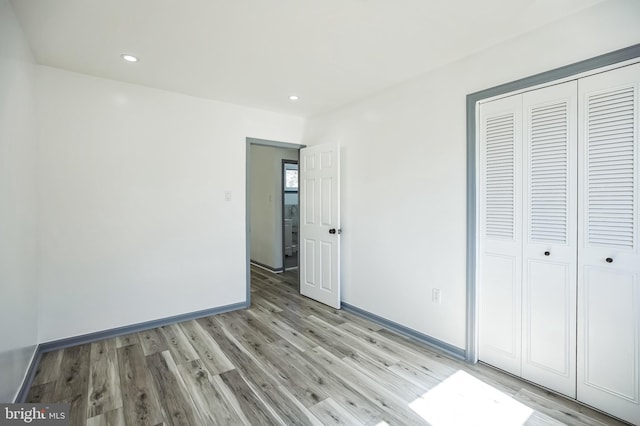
{"x":172,"y":392}
{"x":127,"y":339}
{"x":506,"y":383}
{"x":41,"y":393}
{"x":260,"y":327}
{"x":325,"y":337}
{"x":285,"y":331}
{"x":250,"y":404}
{"x":289,"y":410}
{"x":288,"y":308}
{"x":298,"y":374}
{"x":179,"y":346}
{"x":109,"y":418}
{"x":73,"y":382}
{"x":295,"y":373}
{"x":284,"y":404}
{"x":208,"y":350}
{"x":290,"y":303}
{"x":256,"y":346}
{"x":333,"y":316}
{"x":237,"y":328}
{"x":209,"y":400}
{"x":259,"y":274}
{"x":561,"y":403}
{"x":330,"y":412}
{"x":297,"y":413}
{"x":77,"y":408}
{"x":397,"y":384}
{"x":344,"y":393}
{"x":47,"y":370}
{"x":368,"y":346}
{"x":140,"y":402}
{"x":415,"y":375}
{"x":251,"y":342}
{"x":230,"y":397}
{"x":423,"y":359}
{"x":104,"y":378}
{"x":561,"y":412}
{"x":240,"y":353}
{"x":539,"y":419}
{"x":392,"y":406}
{"x":266,"y":306}
{"x":152,"y":341}
{"x":411,"y":349}
{"x":363,"y":323}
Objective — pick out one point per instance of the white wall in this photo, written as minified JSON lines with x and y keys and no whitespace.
{"x":134,"y":222}
{"x":404,"y":170}
{"x":266,"y":203}
{"x":18,"y":229}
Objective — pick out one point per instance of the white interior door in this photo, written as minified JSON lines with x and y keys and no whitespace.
{"x":500,"y":238}
{"x":320,"y":223}
{"x":550,"y":237}
{"x":609,"y":251}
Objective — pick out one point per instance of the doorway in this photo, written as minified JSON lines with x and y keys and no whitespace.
{"x":290,"y":215}
{"x":265,"y":212}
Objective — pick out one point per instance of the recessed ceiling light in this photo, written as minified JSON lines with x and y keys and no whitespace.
{"x":293,"y":98}
{"x":129,"y":58}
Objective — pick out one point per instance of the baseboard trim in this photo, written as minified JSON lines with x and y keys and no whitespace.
{"x":451,"y":350}
{"x":28,"y":377}
{"x":114,"y":332}
{"x":267,"y":267}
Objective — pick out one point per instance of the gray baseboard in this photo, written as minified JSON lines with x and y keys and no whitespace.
{"x":451,"y":350}
{"x":267,"y":267}
{"x":114,"y":332}
{"x":28,"y":378}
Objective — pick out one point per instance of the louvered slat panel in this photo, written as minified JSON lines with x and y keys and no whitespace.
{"x":499,"y":177}
{"x":548,"y":173}
{"x":610,"y":168}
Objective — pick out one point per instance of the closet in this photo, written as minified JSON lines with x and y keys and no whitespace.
{"x":558,"y":230}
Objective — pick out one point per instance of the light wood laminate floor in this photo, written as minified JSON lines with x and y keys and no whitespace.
{"x":287,"y":360}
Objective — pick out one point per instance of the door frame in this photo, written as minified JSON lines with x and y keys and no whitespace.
{"x":573,"y":71}
{"x":283,"y":190}
{"x":262,"y":142}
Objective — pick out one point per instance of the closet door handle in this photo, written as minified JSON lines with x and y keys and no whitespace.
{"x":609,"y":260}
{"x":547,"y":253}
{"x":332,"y":231}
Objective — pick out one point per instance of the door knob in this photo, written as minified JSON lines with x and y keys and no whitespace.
{"x":609,"y":260}
{"x":547,"y":253}
{"x":332,"y":230}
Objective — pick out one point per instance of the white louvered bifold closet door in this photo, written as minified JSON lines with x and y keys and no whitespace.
{"x":500,"y":233}
{"x":550,"y":240}
{"x":527,"y":266}
{"x":609,"y":258}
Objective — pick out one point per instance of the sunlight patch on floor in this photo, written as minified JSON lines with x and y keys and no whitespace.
{"x":461,"y":399}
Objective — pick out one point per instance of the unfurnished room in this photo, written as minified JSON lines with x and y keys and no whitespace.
{"x":297,"y":212}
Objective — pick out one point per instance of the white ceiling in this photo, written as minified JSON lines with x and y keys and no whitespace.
{"x":258,"y":52}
